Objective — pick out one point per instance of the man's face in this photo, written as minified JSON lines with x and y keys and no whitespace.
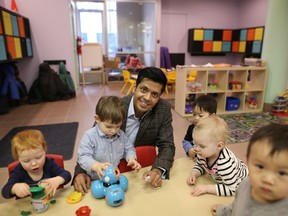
{"x":146,"y":95}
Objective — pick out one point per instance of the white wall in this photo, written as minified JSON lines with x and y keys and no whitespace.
{"x":51,"y":34}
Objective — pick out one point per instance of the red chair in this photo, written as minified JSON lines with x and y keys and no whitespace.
{"x":145,"y":156}
{"x":57,"y":158}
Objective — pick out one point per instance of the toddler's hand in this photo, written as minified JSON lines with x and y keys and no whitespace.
{"x":192,"y":154}
{"x":98,"y":167}
{"x":134,"y":164}
{"x":52,"y":184}
{"x":214,"y":209}
{"x":191,"y":180}
{"x":21,"y":190}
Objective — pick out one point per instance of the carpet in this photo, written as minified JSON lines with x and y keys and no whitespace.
{"x":60,"y":139}
{"x":242,"y":126}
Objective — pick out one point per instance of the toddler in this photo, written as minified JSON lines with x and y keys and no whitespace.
{"x":105,"y":144}
{"x":214,"y":158}
{"x":203,"y":106}
{"x":265,"y":191}
{"x":29,"y":147}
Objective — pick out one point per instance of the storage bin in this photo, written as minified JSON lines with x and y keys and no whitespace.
{"x":232,"y":103}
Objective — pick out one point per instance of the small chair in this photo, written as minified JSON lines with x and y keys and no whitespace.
{"x":192,"y":76}
{"x":171,"y":80}
{"x":57,"y":158}
{"x":127,"y":80}
{"x":145,"y":156}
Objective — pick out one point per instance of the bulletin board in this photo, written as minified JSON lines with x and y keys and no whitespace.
{"x":92,"y":55}
{"x":15,"y":37}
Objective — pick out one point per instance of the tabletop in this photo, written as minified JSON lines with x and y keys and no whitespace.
{"x":172,"y":198}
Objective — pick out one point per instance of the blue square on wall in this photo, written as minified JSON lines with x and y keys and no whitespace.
{"x":243,"y":35}
{"x":256,"y":47}
{"x":226,"y":46}
{"x":208,"y":35}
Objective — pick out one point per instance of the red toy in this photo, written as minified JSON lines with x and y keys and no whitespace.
{"x":83,"y":211}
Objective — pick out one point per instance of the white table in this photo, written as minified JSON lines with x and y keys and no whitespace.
{"x":173,"y":198}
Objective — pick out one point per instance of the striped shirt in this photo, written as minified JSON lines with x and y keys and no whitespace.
{"x":228,"y":171}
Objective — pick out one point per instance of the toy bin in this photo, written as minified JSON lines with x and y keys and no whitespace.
{"x":232,"y":103}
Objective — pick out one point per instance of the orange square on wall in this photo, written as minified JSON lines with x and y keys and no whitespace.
{"x":235,"y":46}
{"x":21,"y":26}
{"x":227,"y":35}
{"x":198,"y":35}
{"x":207,"y":46}
{"x":250,"y":34}
{"x":11,"y":46}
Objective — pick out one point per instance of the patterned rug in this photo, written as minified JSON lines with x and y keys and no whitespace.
{"x":242,"y":126}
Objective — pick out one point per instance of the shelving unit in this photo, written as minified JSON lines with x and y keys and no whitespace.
{"x":252,"y":86}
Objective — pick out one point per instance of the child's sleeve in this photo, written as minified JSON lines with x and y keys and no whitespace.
{"x":85,"y":152}
{"x":15,"y":177}
{"x":56,"y":170}
{"x":232,"y":172}
{"x":129,"y":151}
{"x":187,"y":145}
{"x":199,"y":166}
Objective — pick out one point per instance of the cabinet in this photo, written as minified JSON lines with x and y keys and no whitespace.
{"x":244,"y":84}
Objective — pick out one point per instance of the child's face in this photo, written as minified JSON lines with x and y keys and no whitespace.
{"x":32,"y":160}
{"x":198,"y":115}
{"x":108,"y":128}
{"x":268,"y":174}
{"x":205,"y":145}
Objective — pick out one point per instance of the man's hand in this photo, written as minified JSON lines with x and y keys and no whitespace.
{"x":82,"y":183}
{"x":153,"y":177}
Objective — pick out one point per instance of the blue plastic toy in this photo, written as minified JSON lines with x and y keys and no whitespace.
{"x":112,"y":187}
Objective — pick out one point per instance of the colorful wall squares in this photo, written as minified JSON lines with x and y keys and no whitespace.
{"x":15,"y":37}
{"x":213,"y":41}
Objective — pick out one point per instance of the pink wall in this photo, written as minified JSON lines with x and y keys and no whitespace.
{"x":208,"y":14}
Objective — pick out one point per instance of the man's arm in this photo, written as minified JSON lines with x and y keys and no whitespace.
{"x":164,"y":139}
{"x":81,"y":180}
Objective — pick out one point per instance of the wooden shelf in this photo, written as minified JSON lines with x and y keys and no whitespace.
{"x":252,"y":85}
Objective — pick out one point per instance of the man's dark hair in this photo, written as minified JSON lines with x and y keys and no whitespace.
{"x":206,"y":103}
{"x":276,"y":135}
{"x":154,"y":74}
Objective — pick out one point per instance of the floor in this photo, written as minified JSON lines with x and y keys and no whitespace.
{"x":82,"y":109}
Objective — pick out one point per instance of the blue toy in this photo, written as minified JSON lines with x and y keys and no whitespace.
{"x":112,"y":187}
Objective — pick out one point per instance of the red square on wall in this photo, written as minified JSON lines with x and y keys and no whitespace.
{"x":227,"y":35}
{"x":250,"y":34}
{"x":207,"y":46}
{"x":235,"y":46}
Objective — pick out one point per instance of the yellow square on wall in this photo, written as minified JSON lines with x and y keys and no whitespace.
{"x":258,"y":34}
{"x":217,"y":46}
{"x":198,"y":35}
{"x":242,"y":46}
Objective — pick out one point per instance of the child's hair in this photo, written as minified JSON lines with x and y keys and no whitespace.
{"x":206,"y":103}
{"x":26,"y":140}
{"x":110,"y":108}
{"x":216,"y":127}
{"x":276,"y":135}
{"x":152,"y":73}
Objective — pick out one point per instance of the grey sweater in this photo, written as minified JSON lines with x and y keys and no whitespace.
{"x":244,"y":205}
